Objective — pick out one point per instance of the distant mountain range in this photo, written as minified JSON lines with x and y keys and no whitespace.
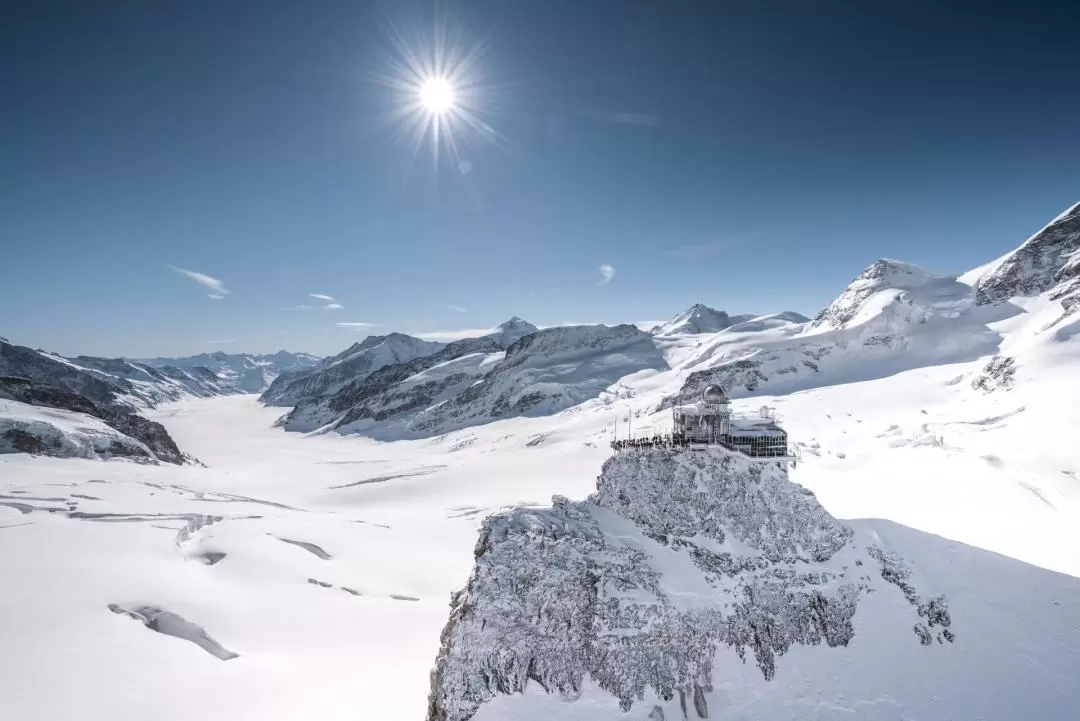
{"x":244,"y":372}
{"x":87,"y":406}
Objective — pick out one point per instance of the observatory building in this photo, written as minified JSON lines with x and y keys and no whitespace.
{"x":710,"y":421}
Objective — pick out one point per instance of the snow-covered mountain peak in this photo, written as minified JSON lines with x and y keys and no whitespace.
{"x":511,"y":331}
{"x":892,"y":277}
{"x":354,"y":364}
{"x":1048,"y":261}
{"x":699,"y":318}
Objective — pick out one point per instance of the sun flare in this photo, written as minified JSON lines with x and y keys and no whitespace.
{"x":437,"y":95}
{"x":441,"y":94}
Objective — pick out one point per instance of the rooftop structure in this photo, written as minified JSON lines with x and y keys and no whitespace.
{"x":711,"y":421}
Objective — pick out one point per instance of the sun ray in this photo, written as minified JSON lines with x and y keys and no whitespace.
{"x":438,"y":91}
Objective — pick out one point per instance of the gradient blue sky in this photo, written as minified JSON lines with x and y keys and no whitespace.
{"x":752,"y":156}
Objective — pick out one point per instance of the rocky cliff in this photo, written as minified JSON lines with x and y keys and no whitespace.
{"x":680,"y":558}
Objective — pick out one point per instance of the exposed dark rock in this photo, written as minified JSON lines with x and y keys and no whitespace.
{"x":998,"y":374}
{"x":1047,"y":261}
{"x":150,"y":433}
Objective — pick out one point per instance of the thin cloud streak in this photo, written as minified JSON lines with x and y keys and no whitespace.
{"x":452,"y":335}
{"x":356,"y":324}
{"x":217,"y":288}
{"x":333,"y":306}
{"x":458,"y":308}
{"x":321,"y":296}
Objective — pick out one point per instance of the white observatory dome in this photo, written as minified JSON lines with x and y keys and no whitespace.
{"x":715,"y":394}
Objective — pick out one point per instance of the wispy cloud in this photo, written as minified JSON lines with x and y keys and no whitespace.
{"x":217,"y":289}
{"x":322,"y":296}
{"x":222,"y":341}
{"x":607,"y":273}
{"x":356,"y":324}
{"x":450,"y":335}
{"x":302,"y":306}
{"x":458,"y":308}
{"x":333,"y":306}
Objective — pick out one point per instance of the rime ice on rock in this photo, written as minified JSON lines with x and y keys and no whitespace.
{"x":680,"y":555}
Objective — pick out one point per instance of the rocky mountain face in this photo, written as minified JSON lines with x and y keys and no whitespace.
{"x":392,"y":395}
{"x":699,"y":319}
{"x":1047,"y":262}
{"x":351,"y":365}
{"x":243,"y":372}
{"x":472,"y":382}
{"x":546,"y":372}
{"x":109,"y":382}
{"x":680,"y":559}
{"x":135,"y":436}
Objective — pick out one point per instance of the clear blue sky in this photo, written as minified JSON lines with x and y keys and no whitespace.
{"x":752,"y":156}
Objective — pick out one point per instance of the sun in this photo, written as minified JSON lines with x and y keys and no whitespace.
{"x":440,"y":95}
{"x":437,"y":95}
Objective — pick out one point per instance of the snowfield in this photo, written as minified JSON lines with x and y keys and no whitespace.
{"x":340,"y":554}
{"x":308,"y":574}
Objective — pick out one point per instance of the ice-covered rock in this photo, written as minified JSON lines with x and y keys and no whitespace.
{"x":681,"y":558}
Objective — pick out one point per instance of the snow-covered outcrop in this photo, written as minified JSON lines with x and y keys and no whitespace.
{"x":699,"y":319}
{"x":245,"y":372}
{"x":683,"y":562}
{"x":353,"y":364}
{"x":59,"y":433}
{"x":1047,"y":262}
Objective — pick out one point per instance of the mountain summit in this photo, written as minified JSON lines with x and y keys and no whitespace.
{"x":699,"y":318}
